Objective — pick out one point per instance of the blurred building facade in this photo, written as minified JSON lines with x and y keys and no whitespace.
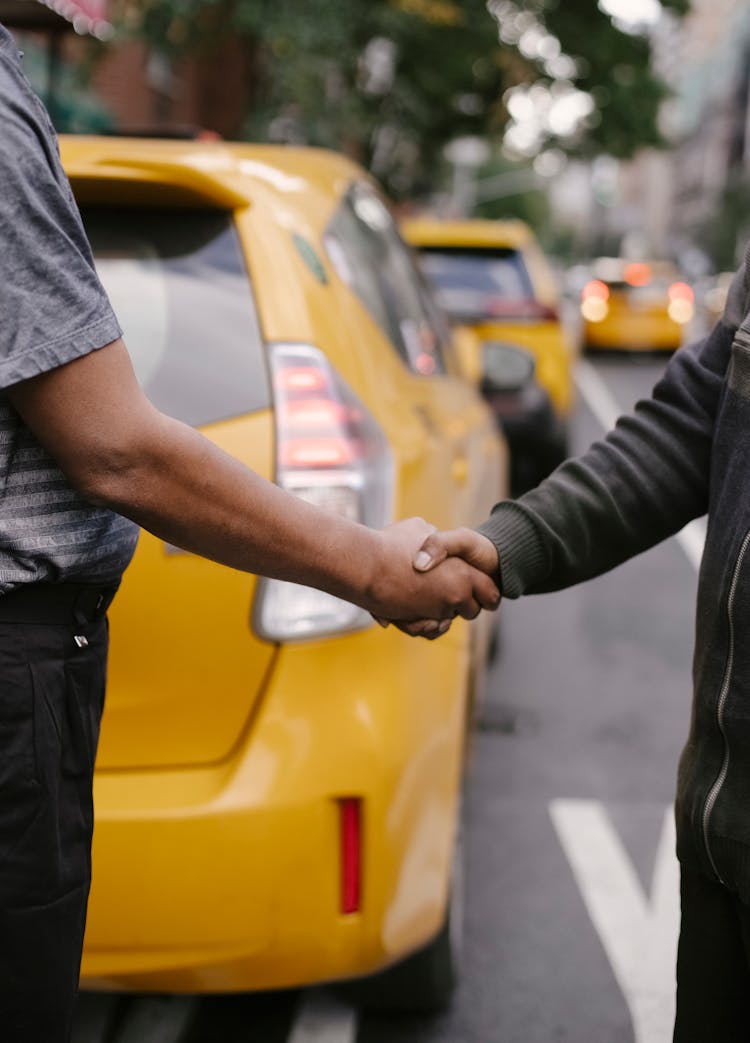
{"x":705,"y":59}
{"x":144,"y":90}
{"x":136,"y":88}
{"x":673,"y":202}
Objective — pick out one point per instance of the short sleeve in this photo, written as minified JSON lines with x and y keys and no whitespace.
{"x":53,"y":308}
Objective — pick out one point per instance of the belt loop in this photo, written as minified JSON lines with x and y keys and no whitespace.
{"x":91,"y":603}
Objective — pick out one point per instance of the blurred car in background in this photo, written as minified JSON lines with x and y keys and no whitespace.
{"x":635,"y":306}
{"x":493,"y":277}
{"x":278,"y":783}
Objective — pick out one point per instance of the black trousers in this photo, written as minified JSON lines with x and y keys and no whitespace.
{"x":53,"y":650}
{"x":713,"y":964}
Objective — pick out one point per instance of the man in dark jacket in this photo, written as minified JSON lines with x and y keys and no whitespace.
{"x":683,"y":453}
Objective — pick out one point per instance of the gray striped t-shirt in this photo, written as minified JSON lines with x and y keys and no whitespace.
{"x":52,"y":310}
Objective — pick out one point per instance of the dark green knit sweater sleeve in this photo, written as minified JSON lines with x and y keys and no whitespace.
{"x":641,"y":483}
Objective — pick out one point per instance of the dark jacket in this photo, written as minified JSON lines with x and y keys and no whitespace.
{"x":682,"y":453}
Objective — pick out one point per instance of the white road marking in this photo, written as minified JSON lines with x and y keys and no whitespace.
{"x":692,"y":539}
{"x":95,"y":1015}
{"x":638,"y":932}
{"x":157,"y":1019}
{"x":596,"y":394}
{"x":322,"y":1018}
{"x":606,"y":409}
{"x":639,"y":935}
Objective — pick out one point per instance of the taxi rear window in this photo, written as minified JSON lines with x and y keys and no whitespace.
{"x":473,"y":279}
{"x":181,"y":291}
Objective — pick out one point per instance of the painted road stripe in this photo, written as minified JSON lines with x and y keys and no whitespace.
{"x":95,"y":1016}
{"x":605,"y":408}
{"x":322,"y":1018}
{"x":638,"y":931}
{"x":157,"y":1019}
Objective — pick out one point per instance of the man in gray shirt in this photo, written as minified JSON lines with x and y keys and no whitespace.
{"x":84,"y":460}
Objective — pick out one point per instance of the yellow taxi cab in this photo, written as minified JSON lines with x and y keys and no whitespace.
{"x":493,"y":277}
{"x":278,"y":783}
{"x":635,"y":306}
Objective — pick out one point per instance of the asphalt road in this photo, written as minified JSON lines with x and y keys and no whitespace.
{"x":571,"y":881}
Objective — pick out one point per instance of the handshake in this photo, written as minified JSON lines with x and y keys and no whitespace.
{"x":425,"y":578}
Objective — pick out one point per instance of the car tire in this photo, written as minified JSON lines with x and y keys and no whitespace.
{"x":424,"y":982}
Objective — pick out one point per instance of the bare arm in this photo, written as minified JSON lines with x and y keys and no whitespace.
{"x":122,"y":453}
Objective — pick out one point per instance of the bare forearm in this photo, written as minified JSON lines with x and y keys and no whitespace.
{"x":188,"y":492}
{"x":115,"y":447}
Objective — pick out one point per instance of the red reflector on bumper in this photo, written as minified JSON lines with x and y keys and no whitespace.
{"x":351,"y":852}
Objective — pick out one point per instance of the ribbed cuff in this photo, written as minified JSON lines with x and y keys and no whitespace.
{"x":522,"y":556}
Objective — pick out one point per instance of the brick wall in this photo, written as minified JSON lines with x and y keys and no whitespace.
{"x":142,"y":90}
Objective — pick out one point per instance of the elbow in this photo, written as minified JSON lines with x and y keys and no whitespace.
{"x":116,"y":470}
{"x":106,"y":479}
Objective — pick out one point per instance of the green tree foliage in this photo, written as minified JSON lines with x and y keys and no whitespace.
{"x":391,"y":81}
{"x":614,"y":67}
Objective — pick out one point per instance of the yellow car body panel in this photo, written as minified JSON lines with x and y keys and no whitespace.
{"x":224,"y":756}
{"x":552,"y":355}
{"x":629,"y":328}
{"x":544,"y":338}
{"x":204,"y":700}
{"x":228,"y":877}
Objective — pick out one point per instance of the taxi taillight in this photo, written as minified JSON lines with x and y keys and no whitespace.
{"x":350,"y":829}
{"x":638,"y":273}
{"x":681,"y":306}
{"x":331,"y":452}
{"x":595,"y":301}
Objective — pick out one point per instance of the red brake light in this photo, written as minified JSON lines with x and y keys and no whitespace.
{"x":316,"y":452}
{"x":681,"y":308}
{"x":595,"y":289}
{"x":680,"y":291}
{"x":425,"y":363}
{"x":299,"y":378}
{"x":332,"y":452}
{"x":313,"y":413}
{"x":525,"y":308}
{"x":315,"y":428}
{"x":637,"y":274}
{"x":351,"y":854}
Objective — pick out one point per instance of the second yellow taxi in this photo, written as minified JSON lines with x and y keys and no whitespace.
{"x":493,"y":277}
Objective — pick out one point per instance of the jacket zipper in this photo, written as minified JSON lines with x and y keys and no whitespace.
{"x":723,"y":695}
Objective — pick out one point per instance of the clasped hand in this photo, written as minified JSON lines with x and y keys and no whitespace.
{"x":427,"y":577}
